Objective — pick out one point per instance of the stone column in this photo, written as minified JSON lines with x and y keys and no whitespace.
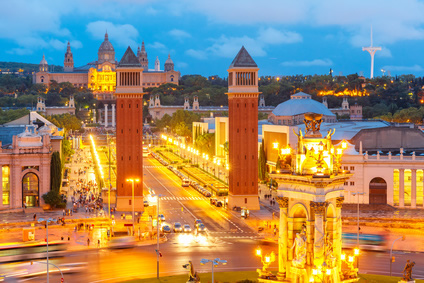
{"x":337,"y":238}
{"x":401,"y":187}
{"x":413,"y":188}
{"x":113,"y":116}
{"x":318,"y":208}
{"x":1,"y":186}
{"x":282,"y":237}
{"x":106,"y":115}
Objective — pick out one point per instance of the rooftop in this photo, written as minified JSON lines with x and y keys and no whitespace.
{"x":243,"y":59}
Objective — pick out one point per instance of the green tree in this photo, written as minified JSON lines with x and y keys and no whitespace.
{"x":67,"y":121}
{"x":55,"y":172}
{"x":262,"y":162}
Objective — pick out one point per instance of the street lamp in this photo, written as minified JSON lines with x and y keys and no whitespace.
{"x":132,"y":185}
{"x":47,"y":240}
{"x":214,"y":262}
{"x":158,"y":254}
{"x":391,"y":250}
{"x":357,"y":235}
{"x":266,"y":261}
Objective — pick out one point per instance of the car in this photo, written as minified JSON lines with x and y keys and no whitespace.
{"x":161,"y":217}
{"x":186,"y":228}
{"x":185,"y":182}
{"x":197,"y":222}
{"x":166,"y":228}
{"x":216,"y":202}
{"x":122,"y":242}
{"x":201,"y":228}
{"x":146,"y":203}
{"x":178,"y":227}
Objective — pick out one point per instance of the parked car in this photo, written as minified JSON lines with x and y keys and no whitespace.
{"x":216,"y":202}
{"x":186,"y":228}
{"x":161,"y":217}
{"x":178,"y":227}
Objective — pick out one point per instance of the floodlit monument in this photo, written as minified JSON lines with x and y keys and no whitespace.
{"x":310,"y":196}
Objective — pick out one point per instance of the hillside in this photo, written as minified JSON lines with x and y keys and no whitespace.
{"x":26,"y":67}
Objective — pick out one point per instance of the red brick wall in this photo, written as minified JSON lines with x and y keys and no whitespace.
{"x":129,"y":143}
{"x":243,"y":143}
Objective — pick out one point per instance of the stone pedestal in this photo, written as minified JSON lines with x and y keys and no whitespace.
{"x":299,"y":275}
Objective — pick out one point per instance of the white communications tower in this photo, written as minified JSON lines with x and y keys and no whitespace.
{"x":372,"y":51}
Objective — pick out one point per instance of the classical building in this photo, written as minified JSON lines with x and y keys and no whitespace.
{"x":353,"y":111}
{"x":129,"y":133}
{"x":157,"y":111}
{"x":26,"y":145}
{"x":292,"y":112}
{"x":55,"y":110}
{"x":100,"y":75}
{"x":243,"y":96}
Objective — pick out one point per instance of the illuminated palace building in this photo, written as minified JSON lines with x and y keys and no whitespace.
{"x":100,"y":75}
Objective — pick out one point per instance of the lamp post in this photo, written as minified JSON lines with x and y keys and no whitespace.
{"x":132,"y":202}
{"x":32,"y":261}
{"x":157,"y":235}
{"x":391,"y":250}
{"x":214,"y":262}
{"x":357,"y":232}
{"x":47,"y":241}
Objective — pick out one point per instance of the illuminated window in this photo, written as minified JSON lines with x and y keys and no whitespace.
{"x":6,"y":184}
{"x":396,"y":187}
{"x":407,"y":186}
{"x":420,"y":188}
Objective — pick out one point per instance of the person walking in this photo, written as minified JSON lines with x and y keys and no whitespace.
{"x":88,"y":242}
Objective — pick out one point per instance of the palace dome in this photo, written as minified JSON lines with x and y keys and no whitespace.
{"x":301,"y":103}
{"x":106,"y":45}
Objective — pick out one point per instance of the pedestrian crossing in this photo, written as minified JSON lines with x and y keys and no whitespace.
{"x":181,"y":198}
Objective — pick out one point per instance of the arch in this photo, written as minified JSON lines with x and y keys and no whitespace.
{"x":30,"y":189}
{"x":378,"y":191}
{"x":299,"y":214}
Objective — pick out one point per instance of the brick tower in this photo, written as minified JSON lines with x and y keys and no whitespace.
{"x":243,"y":131}
{"x":129,"y":132}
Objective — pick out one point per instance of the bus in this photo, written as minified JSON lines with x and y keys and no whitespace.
{"x":366,"y":241}
{"x":145,"y":151}
{"x":10,"y":252}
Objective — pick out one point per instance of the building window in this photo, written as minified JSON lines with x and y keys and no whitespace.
{"x":346,"y":168}
{"x":30,"y":190}
{"x":352,"y":168}
{"x":407,"y":187}
{"x":346,"y":183}
{"x":419,"y":185}
{"x":6,"y":184}
{"x":352,"y":183}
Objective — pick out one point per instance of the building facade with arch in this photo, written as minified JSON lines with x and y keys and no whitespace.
{"x":25,"y":170}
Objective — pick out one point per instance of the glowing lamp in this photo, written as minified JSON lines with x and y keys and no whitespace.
{"x":314,"y":272}
{"x":275,"y":145}
{"x":267,"y":259}
{"x":320,"y":146}
{"x":350,"y":259}
{"x":339,"y":151}
{"x":258,"y":252}
{"x":344,"y":144}
{"x":311,"y":279}
{"x":343,"y":257}
{"x":328,"y":272}
{"x":356,"y":251}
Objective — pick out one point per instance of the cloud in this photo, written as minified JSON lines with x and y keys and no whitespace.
{"x":76,"y":44}
{"x":123,"y":35}
{"x":392,"y":20}
{"x":414,"y":68}
{"x":312,"y":63}
{"x":157,"y":45}
{"x":151,"y":11}
{"x":179,"y":34}
{"x":198,"y":54}
{"x":181,"y":65}
{"x":384,"y":53}
{"x":229,"y":46}
{"x":273,"y":36}
{"x":20,"y":51}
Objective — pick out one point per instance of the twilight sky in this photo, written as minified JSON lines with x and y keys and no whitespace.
{"x":284,"y":37}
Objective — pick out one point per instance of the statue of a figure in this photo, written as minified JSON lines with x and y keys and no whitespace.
{"x":407,"y":271}
{"x":329,"y":257}
{"x":330,"y":132}
{"x":299,"y":259}
{"x":192,"y":275}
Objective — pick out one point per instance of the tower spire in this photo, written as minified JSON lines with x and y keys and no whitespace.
{"x":371,"y":50}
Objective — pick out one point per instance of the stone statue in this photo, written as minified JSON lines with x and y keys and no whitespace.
{"x":329,"y":256}
{"x":313,"y":123}
{"x":299,"y":259}
{"x":407,"y":271}
{"x":192,"y":275}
